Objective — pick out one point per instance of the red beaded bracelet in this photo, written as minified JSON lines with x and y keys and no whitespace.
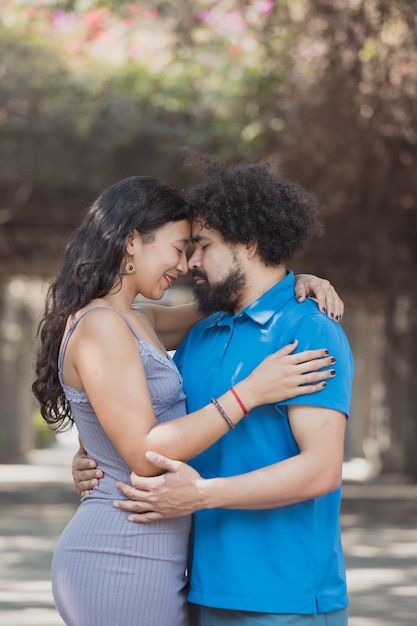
{"x":242,"y":406}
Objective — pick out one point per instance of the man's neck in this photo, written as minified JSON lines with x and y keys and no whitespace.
{"x":258,"y":281}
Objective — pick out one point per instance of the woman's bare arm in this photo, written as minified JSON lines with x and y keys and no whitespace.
{"x":171,"y":322}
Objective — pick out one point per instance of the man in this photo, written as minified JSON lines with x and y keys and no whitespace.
{"x":266,"y":497}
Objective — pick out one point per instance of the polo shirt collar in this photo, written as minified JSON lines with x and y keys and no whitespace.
{"x":264,"y":307}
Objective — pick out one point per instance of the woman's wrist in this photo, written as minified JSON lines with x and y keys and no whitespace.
{"x":231,"y":406}
{"x":247,"y":394}
{"x":239,"y":401}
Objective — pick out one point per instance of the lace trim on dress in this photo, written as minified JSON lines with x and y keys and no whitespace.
{"x":148,"y":349}
{"x":75,"y":395}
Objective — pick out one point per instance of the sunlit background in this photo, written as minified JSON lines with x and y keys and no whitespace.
{"x":325,"y":90}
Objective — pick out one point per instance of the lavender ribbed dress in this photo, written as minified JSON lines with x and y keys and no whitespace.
{"x":107,"y":571}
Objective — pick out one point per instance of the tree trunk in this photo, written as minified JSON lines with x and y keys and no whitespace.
{"x":365,"y":332}
{"x":16,"y":341}
{"x":399,"y":453}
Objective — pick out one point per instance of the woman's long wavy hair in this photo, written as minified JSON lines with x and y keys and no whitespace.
{"x":91,"y":268}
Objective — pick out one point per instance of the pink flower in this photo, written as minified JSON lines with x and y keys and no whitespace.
{"x":265,"y":6}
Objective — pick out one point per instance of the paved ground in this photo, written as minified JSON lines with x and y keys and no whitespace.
{"x":36,"y":500}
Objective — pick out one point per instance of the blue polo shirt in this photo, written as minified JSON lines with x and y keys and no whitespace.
{"x":282,"y":560}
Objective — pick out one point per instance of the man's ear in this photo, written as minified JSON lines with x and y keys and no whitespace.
{"x":252,"y":249}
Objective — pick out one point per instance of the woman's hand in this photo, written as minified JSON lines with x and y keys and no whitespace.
{"x":284,"y":375}
{"x":327,"y":299}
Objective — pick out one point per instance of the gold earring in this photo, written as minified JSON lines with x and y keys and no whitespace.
{"x":129,"y":268}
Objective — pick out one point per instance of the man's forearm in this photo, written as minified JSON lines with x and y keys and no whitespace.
{"x":181,"y":491}
{"x":290,"y":481}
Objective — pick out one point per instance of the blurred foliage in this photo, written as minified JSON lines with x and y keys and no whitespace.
{"x":44,"y":436}
{"x":131,"y":63}
{"x":233,"y":69}
{"x":326,"y":88}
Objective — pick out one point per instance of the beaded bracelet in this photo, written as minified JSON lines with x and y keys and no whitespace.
{"x":242,"y":406}
{"x":223,"y":414}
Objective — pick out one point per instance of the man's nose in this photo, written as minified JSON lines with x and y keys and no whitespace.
{"x":194,"y":260}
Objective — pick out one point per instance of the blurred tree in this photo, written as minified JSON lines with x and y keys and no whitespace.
{"x":352,"y":137}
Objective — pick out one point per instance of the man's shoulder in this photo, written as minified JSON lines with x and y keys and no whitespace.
{"x":311,"y":327}
{"x":305,"y":313}
{"x":309,"y":312}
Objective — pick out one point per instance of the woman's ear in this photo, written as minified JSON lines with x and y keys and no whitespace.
{"x":130,"y":246}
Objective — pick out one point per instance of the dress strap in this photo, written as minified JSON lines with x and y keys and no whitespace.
{"x":73,"y":326}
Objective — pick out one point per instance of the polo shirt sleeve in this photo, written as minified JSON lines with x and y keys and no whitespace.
{"x":319,"y":332}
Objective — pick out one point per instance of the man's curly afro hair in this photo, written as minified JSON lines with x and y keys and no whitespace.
{"x":247,"y":203}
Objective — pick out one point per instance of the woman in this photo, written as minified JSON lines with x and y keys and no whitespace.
{"x":105,"y":367}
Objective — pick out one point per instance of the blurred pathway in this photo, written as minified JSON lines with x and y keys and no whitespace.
{"x":379,"y":524}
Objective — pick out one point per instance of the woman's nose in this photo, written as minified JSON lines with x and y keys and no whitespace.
{"x":182,"y":266}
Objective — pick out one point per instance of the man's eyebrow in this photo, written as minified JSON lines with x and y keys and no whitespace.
{"x":198,"y":238}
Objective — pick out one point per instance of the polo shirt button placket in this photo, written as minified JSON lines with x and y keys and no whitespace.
{"x":227,"y":336}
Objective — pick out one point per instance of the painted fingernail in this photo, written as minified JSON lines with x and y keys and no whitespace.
{"x":326,"y":352}
{"x":337,"y":318}
{"x":332,"y":359}
{"x":324,"y":310}
{"x":332,"y":372}
{"x":331,"y":315}
{"x":293,"y":341}
{"x":324,"y":385}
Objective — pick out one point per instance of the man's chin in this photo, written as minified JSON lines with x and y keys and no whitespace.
{"x":221,"y":296}
{"x":204,"y":305}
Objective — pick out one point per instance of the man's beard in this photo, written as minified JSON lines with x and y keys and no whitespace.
{"x":221,"y":296}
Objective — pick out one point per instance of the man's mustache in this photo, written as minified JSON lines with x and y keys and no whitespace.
{"x":198,"y":274}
